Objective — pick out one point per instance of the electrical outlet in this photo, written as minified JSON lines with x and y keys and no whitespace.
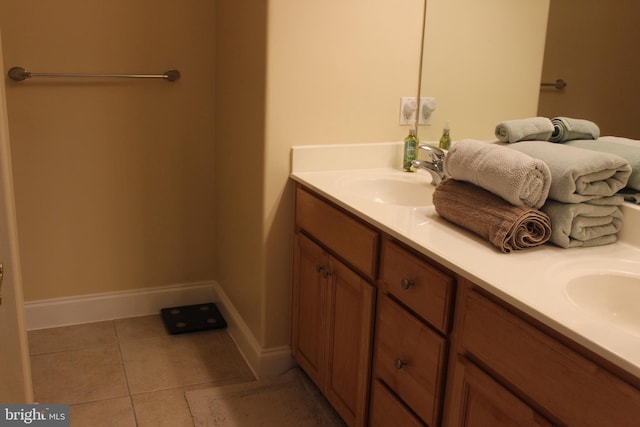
{"x":408,"y":108}
{"x":425,"y":112}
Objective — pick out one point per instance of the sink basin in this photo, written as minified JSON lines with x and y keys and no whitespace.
{"x":405,"y":189}
{"x":614,"y":296}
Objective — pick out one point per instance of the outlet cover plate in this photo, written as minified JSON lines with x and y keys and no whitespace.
{"x":426,"y":110}
{"x":408,"y":110}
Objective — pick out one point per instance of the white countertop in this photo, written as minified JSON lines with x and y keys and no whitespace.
{"x":531,"y":280}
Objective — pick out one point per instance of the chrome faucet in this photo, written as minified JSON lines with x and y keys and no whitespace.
{"x":435,"y":167}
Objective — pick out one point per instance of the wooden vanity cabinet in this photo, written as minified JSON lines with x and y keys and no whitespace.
{"x":418,"y":364}
{"x":510,"y":370}
{"x":333,"y":305}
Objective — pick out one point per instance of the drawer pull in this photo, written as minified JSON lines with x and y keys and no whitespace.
{"x":406,"y":283}
{"x":323,"y":271}
{"x":400,"y":363}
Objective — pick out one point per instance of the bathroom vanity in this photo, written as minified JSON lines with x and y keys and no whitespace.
{"x":403,"y":319}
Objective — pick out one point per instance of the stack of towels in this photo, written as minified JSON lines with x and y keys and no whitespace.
{"x":583,"y":205}
{"x":591,"y":175}
{"x":561,"y":183}
{"x":576,"y":133}
{"x":496,"y":193}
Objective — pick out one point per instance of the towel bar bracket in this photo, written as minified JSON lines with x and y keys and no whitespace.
{"x":558,"y":84}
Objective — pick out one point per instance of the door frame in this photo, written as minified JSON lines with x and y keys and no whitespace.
{"x":15,"y":370}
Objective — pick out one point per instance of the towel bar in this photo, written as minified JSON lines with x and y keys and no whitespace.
{"x":19,"y":74}
{"x":558,"y":84}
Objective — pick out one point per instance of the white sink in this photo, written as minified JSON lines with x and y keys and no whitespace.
{"x":601,"y":292}
{"x":614,"y":296}
{"x":400,"y":188}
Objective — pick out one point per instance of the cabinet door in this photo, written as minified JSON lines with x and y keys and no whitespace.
{"x":483,"y":402}
{"x":350,"y":316}
{"x":308,"y":306}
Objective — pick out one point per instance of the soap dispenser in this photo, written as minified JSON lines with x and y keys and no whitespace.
{"x":410,"y":151}
{"x":445,"y":139}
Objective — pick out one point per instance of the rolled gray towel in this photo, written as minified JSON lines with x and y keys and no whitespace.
{"x":628,"y":149}
{"x":577,"y":174}
{"x":531,"y":129}
{"x":583,"y":224}
{"x":516,"y":177}
{"x":567,"y":129}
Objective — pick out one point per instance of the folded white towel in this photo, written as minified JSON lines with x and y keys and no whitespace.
{"x":567,"y":129}
{"x":578,"y":175}
{"x":516,"y":177}
{"x":531,"y":129}
{"x":583,"y":224}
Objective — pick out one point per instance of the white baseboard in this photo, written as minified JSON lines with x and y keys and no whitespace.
{"x":264,"y":362}
{"x":74,"y":310}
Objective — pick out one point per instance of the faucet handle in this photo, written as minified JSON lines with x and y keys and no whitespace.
{"x":437,"y":155}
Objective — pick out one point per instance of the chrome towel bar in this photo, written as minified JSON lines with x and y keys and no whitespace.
{"x":558,"y":84}
{"x":19,"y":74}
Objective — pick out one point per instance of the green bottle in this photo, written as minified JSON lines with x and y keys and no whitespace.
{"x":445,"y":139}
{"x":410,"y":151}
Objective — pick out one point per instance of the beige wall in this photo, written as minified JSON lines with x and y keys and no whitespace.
{"x":593,"y":46}
{"x":482,"y":63}
{"x":335,"y":72}
{"x":114,"y":180}
{"x":240,"y":146}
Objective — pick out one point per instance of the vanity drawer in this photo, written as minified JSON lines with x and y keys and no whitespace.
{"x":347,"y":237}
{"x":388,"y":411}
{"x":410,"y":358}
{"x":417,"y":284}
{"x":563,"y":382}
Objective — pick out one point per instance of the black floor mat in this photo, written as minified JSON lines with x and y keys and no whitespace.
{"x":192,"y":318}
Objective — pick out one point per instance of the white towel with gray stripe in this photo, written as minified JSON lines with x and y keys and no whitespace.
{"x":516,"y":177}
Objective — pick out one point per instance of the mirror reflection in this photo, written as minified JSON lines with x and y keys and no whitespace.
{"x":485,"y":62}
{"x":593,"y":46}
{"x":481,"y":62}
{"x":590,"y":44}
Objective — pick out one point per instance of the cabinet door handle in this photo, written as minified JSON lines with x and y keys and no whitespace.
{"x":323,"y":270}
{"x":400,"y":363}
{"x":406,"y":283}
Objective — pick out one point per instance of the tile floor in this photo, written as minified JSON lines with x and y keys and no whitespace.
{"x":130,"y":372}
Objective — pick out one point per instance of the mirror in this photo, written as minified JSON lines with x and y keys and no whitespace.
{"x":481,"y":61}
{"x":590,"y":44}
